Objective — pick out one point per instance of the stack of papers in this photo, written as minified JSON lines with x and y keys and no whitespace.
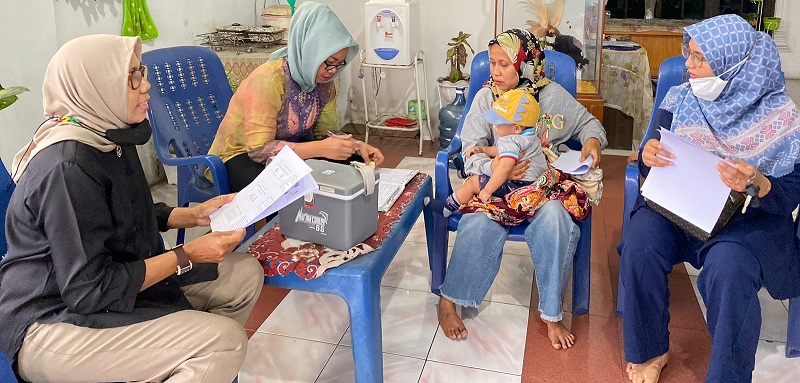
{"x":392,"y":184}
{"x":691,"y":188}
{"x":570,"y":162}
{"x":284,"y":180}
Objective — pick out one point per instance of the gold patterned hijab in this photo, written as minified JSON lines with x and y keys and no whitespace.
{"x":528,"y":58}
{"x":87,"y":81}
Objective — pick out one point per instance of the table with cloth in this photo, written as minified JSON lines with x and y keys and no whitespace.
{"x":354,"y":275}
{"x":627,"y":87}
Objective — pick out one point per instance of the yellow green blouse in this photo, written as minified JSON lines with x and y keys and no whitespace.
{"x":269,"y":110}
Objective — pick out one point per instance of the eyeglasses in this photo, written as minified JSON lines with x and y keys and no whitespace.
{"x":136,"y":76}
{"x":329,"y":67}
{"x":695,"y":57}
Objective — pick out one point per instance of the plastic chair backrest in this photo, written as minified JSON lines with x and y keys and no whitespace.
{"x":560,"y":68}
{"x":672,"y":72}
{"x":479,"y":73}
{"x":6,"y":189}
{"x":189,"y":97}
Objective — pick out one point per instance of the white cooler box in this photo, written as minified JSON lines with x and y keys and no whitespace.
{"x":342,"y":213}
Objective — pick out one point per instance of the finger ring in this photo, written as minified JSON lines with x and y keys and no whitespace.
{"x":752,"y":178}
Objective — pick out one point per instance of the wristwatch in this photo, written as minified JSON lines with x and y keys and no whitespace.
{"x":184,"y":264}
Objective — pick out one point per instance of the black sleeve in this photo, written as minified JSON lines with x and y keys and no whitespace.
{"x":77,"y":221}
{"x":162,"y":215}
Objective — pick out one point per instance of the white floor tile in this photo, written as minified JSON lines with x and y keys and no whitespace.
{"x":423,"y":165}
{"x":774,"y":318}
{"x":311,"y":316}
{"x":772,"y":366}
{"x":691,"y":270}
{"x":447,"y":373}
{"x":410,"y":268}
{"x":517,"y":248}
{"x":496,"y":340}
{"x":513,"y":282}
{"x":279,"y":359}
{"x":396,"y":369}
{"x":408,"y":320}
{"x":697,"y":294}
{"x":774,"y":315}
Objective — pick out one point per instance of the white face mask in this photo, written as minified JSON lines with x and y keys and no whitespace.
{"x":709,"y":88}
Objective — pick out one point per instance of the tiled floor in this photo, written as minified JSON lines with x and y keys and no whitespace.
{"x":306,"y":338}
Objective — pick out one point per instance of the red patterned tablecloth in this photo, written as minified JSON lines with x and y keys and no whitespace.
{"x":280,"y":255}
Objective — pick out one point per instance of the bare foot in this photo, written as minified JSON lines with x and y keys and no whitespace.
{"x":560,"y":337}
{"x":647,"y":372}
{"x":451,"y":323}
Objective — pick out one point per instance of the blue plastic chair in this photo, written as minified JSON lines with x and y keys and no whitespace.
{"x":561,"y":69}
{"x":189,"y":97}
{"x":6,"y":189}
{"x":672,"y":72}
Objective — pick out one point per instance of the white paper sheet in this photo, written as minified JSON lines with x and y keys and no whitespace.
{"x":691,"y":187}
{"x":570,"y":162}
{"x":284,"y":180}
{"x":393,"y":182}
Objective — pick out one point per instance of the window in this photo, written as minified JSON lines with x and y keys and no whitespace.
{"x":686,"y":9}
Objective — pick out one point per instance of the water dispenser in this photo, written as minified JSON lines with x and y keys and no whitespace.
{"x":391,"y":31}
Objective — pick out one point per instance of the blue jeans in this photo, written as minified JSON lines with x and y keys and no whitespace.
{"x":552,"y":237}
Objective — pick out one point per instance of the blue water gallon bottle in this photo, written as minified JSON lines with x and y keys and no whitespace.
{"x":449,"y":117}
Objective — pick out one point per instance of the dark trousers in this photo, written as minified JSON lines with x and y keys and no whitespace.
{"x":728,"y":282}
{"x":242,"y":171}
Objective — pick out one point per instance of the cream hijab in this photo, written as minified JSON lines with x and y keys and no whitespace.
{"x":87,"y":79}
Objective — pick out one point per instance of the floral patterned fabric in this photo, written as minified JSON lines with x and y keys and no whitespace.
{"x":522,"y":203}
{"x":626,"y":87}
{"x":281,"y":256}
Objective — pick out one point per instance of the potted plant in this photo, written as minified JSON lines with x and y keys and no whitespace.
{"x":456,"y":56}
{"x":9,"y":95}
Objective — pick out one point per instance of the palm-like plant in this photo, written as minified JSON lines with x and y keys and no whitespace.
{"x":457,"y":57}
{"x":9,"y":96}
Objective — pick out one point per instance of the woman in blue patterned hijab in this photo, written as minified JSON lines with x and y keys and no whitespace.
{"x":735,"y":105}
{"x":753,"y":119}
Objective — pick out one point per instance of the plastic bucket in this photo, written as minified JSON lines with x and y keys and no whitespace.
{"x":771,"y":23}
{"x":412,"y":110}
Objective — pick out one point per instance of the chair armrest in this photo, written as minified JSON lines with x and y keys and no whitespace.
{"x":219,"y":174}
{"x":442,"y":188}
{"x":631,"y":190}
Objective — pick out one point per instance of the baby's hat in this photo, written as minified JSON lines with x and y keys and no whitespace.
{"x":516,"y":106}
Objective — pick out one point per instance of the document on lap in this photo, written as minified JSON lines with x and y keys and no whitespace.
{"x":691,"y":188}
{"x":570,"y":162}
{"x":284,"y":180}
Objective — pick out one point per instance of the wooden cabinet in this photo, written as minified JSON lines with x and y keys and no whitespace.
{"x":660,"y":45}
{"x":593,"y":103}
{"x":661,"y":38}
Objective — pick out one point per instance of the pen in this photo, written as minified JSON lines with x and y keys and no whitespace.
{"x":339,"y":135}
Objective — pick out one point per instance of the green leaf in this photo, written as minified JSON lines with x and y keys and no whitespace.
{"x":8,"y":96}
{"x":7,"y":101}
{"x":13,"y":91}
